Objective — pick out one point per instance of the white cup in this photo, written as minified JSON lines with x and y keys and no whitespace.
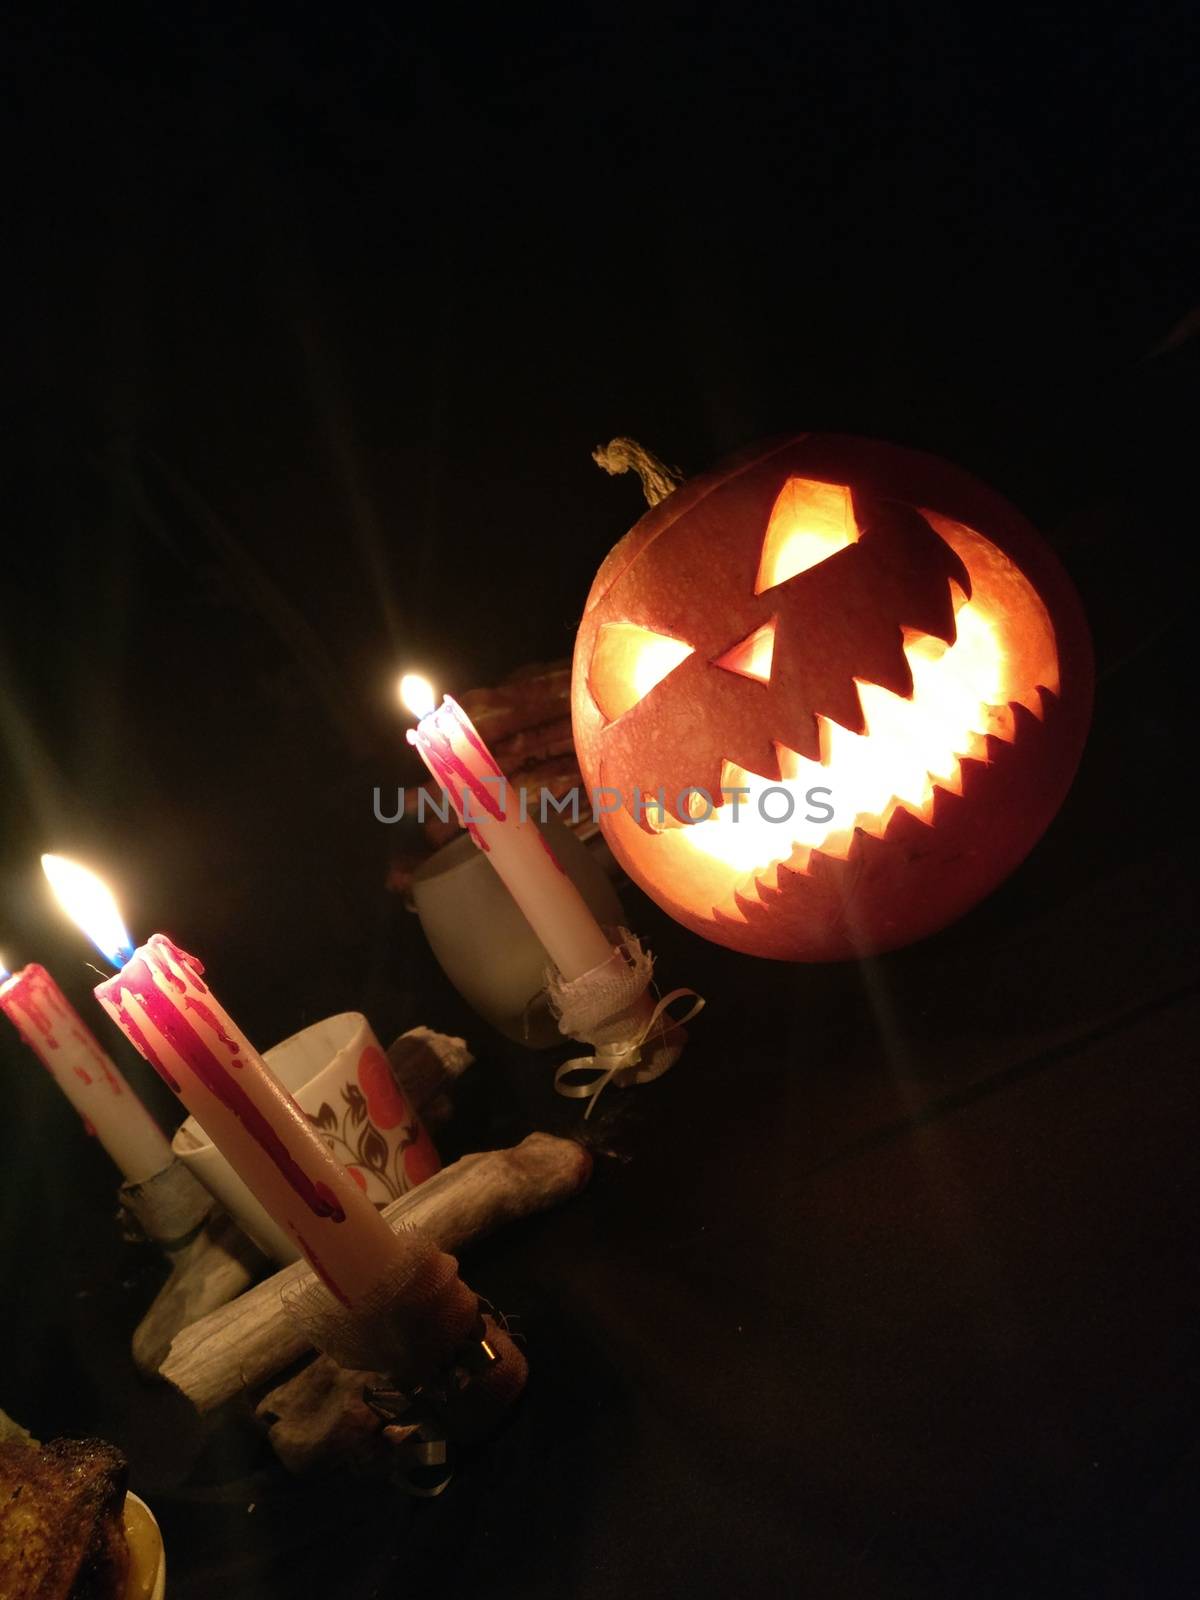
{"x":341,"y":1080}
{"x":484,"y":944}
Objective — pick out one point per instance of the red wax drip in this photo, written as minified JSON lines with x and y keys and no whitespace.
{"x":435,"y":766}
{"x":205,"y":1013}
{"x":448,"y":760}
{"x":178,"y":983}
{"x":471,"y":734}
{"x":47,"y":1011}
{"x":99,"y":1060}
{"x":138,"y":978}
{"x":144,"y":1047}
{"x":327,"y":1197}
{"x":133,"y":1030}
{"x":318,"y":1265}
{"x":444,"y":778}
{"x":38,"y":997}
{"x":190,"y":964}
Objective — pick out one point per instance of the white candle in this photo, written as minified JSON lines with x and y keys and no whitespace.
{"x":161,"y":1003}
{"x":55,"y":1032}
{"x":489,"y":809}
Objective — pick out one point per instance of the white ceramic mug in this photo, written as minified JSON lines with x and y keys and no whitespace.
{"x":484,"y":944}
{"x":341,"y":1080}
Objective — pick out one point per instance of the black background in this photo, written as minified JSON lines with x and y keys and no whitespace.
{"x":315,"y":321}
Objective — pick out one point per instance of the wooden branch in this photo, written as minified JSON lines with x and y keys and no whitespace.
{"x":319,"y":1415}
{"x":243,"y":1344}
{"x":219,"y":1264}
{"x":427,"y":1065}
{"x":319,"y":1418}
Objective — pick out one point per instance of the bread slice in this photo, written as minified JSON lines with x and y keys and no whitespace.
{"x":62,"y":1534}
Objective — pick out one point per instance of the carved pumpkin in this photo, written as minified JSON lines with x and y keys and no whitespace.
{"x":877,"y":649}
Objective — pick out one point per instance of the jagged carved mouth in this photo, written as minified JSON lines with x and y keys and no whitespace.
{"x":912,"y":746}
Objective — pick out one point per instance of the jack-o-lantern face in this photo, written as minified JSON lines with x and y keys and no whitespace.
{"x":855,"y":680}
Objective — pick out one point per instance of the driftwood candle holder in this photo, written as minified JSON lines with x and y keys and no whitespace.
{"x":324,"y":1412}
{"x":240,"y":1346}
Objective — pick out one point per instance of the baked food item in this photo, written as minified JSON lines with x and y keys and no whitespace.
{"x":62,"y":1529}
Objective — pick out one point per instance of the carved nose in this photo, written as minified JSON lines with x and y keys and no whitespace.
{"x":751,"y":656}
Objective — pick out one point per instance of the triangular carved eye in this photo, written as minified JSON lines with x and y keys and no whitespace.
{"x":628,"y":662}
{"x":810,"y":522}
{"x":752,"y":657}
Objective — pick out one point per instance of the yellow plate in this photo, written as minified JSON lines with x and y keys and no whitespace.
{"x":147,"y":1558}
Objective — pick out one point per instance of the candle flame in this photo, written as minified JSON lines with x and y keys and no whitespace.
{"x":417,"y":694}
{"x":89,"y":903}
{"x":4,"y":972}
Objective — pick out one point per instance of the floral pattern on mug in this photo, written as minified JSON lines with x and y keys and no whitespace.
{"x":386,"y":1105}
{"x":377,"y":1136}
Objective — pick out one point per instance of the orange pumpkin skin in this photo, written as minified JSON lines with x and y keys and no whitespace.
{"x":838,"y":611}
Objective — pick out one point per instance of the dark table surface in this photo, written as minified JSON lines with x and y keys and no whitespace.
{"x":890,"y":1287}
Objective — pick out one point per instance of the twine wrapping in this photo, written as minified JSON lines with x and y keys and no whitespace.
{"x":455,"y":1370}
{"x":609,"y":1007}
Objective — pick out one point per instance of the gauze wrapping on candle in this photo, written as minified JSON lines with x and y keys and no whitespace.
{"x":599,"y":1007}
{"x":636,"y":1039}
{"x":408,"y":1326}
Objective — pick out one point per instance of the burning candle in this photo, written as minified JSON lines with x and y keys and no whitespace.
{"x":161,"y":1003}
{"x":54,"y":1031}
{"x":450,"y":746}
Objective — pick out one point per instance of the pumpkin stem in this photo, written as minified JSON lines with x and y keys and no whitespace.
{"x":619,"y":455}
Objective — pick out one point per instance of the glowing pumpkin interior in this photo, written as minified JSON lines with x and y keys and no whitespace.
{"x":889,"y":747}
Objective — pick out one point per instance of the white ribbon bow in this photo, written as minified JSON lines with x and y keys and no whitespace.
{"x":624,"y":1054}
